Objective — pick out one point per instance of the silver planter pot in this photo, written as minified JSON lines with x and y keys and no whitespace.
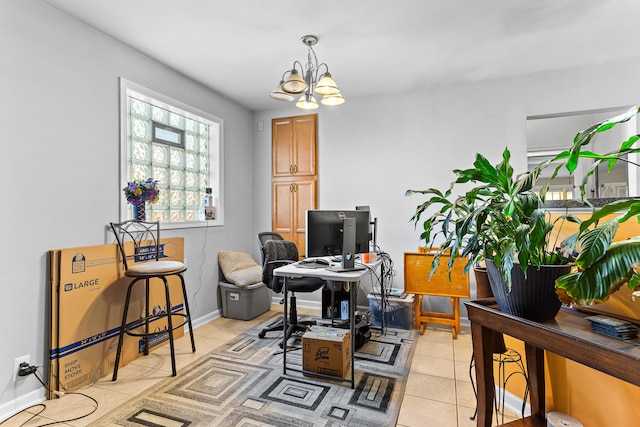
{"x":534,"y":298}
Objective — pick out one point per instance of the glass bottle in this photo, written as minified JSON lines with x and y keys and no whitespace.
{"x":209,"y":208}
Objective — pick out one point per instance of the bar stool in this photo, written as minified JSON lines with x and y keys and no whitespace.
{"x":139,"y":246}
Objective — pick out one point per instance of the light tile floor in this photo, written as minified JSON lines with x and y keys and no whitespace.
{"x":438,"y":391}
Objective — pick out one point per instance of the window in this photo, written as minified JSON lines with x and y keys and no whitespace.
{"x":178,"y":146}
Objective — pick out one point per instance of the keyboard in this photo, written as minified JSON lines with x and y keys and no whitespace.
{"x":314,"y":263}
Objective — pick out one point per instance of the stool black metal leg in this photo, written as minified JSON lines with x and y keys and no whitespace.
{"x":170,"y":326}
{"x":123,"y":328}
{"x":146,"y":317}
{"x":188,"y":313}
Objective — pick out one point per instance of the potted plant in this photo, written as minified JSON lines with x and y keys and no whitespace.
{"x":499,"y":220}
{"x":603,"y":266}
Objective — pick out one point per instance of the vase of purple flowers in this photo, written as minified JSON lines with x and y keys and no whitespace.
{"x":138,"y":193}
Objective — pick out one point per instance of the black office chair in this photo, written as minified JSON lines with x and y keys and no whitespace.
{"x":277,"y":252}
{"x":264,"y":237}
{"x":140,"y":241}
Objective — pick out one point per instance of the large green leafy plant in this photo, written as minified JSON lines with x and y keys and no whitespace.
{"x":499,"y":217}
{"x":603,"y":266}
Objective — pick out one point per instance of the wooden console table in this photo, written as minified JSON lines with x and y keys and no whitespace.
{"x":568,"y":335}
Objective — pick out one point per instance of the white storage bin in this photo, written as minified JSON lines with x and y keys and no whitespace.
{"x":398,"y":312}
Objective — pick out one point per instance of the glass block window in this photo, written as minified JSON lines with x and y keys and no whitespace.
{"x":177,"y":146}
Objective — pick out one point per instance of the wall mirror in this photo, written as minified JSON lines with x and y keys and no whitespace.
{"x":547,"y":135}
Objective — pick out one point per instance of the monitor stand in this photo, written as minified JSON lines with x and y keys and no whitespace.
{"x":348,"y":247}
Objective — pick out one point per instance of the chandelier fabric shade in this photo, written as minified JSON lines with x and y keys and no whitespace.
{"x":307,"y":102}
{"x":294,"y":83}
{"x":308,"y":81}
{"x":331,"y":100}
{"x":280,"y":94}
{"x":326,"y":85}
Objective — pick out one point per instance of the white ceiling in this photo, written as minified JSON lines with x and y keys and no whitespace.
{"x":241,"y":48}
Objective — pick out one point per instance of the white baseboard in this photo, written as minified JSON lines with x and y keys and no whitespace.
{"x":514,"y":403}
{"x":200,"y":321}
{"x":300,"y":303}
{"x":21,"y":403}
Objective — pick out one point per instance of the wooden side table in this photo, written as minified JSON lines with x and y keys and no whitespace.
{"x":568,"y":335}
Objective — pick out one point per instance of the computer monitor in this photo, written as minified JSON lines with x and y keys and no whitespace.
{"x":324,"y":231}
{"x":372,"y":231}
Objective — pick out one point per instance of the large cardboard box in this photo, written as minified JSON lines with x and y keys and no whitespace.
{"x":326,"y":351}
{"x":87,"y":293}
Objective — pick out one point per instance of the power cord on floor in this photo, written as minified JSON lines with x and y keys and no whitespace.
{"x":34,"y":371}
{"x":41,"y":405}
{"x":202,"y":264}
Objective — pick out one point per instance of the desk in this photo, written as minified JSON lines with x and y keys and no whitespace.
{"x":351,"y":277}
{"x":568,"y":335}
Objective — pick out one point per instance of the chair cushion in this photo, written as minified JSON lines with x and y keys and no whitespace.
{"x":305,"y":284}
{"x":239,"y":268}
{"x":155,"y":267}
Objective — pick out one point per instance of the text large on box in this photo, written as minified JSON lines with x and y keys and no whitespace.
{"x":88,"y":288}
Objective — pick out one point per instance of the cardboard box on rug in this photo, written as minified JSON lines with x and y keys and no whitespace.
{"x":87,"y":293}
{"x":326,"y":351}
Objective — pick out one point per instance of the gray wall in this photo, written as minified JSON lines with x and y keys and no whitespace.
{"x":60,"y":159}
{"x":371,"y":150}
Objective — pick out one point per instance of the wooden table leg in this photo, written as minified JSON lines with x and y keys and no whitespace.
{"x":417,"y":308}
{"x":455,"y":305}
{"x":481,"y":339}
{"x":535,"y":373}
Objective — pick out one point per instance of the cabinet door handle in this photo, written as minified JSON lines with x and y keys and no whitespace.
{"x":291,"y":188}
{"x":295,"y":188}
{"x":291,"y":169}
{"x":295,"y":169}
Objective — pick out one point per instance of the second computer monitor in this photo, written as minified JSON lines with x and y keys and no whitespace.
{"x":324,"y":231}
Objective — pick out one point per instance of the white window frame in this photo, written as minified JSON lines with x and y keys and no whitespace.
{"x":216,"y":172}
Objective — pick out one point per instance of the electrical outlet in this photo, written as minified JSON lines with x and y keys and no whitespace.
{"x":16,"y":366}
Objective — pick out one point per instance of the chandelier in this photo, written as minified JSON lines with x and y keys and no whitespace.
{"x":308,"y":81}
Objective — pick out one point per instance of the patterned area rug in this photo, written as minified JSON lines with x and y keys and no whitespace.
{"x":241,"y":384}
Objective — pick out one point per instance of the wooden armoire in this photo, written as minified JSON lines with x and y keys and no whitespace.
{"x":294,"y":178}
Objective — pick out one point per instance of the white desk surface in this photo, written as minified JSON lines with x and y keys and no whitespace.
{"x":295,"y":271}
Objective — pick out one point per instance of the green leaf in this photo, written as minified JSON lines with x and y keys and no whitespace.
{"x":631,"y":206}
{"x":597,"y":282}
{"x":594,"y":243}
{"x":635,"y":280}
